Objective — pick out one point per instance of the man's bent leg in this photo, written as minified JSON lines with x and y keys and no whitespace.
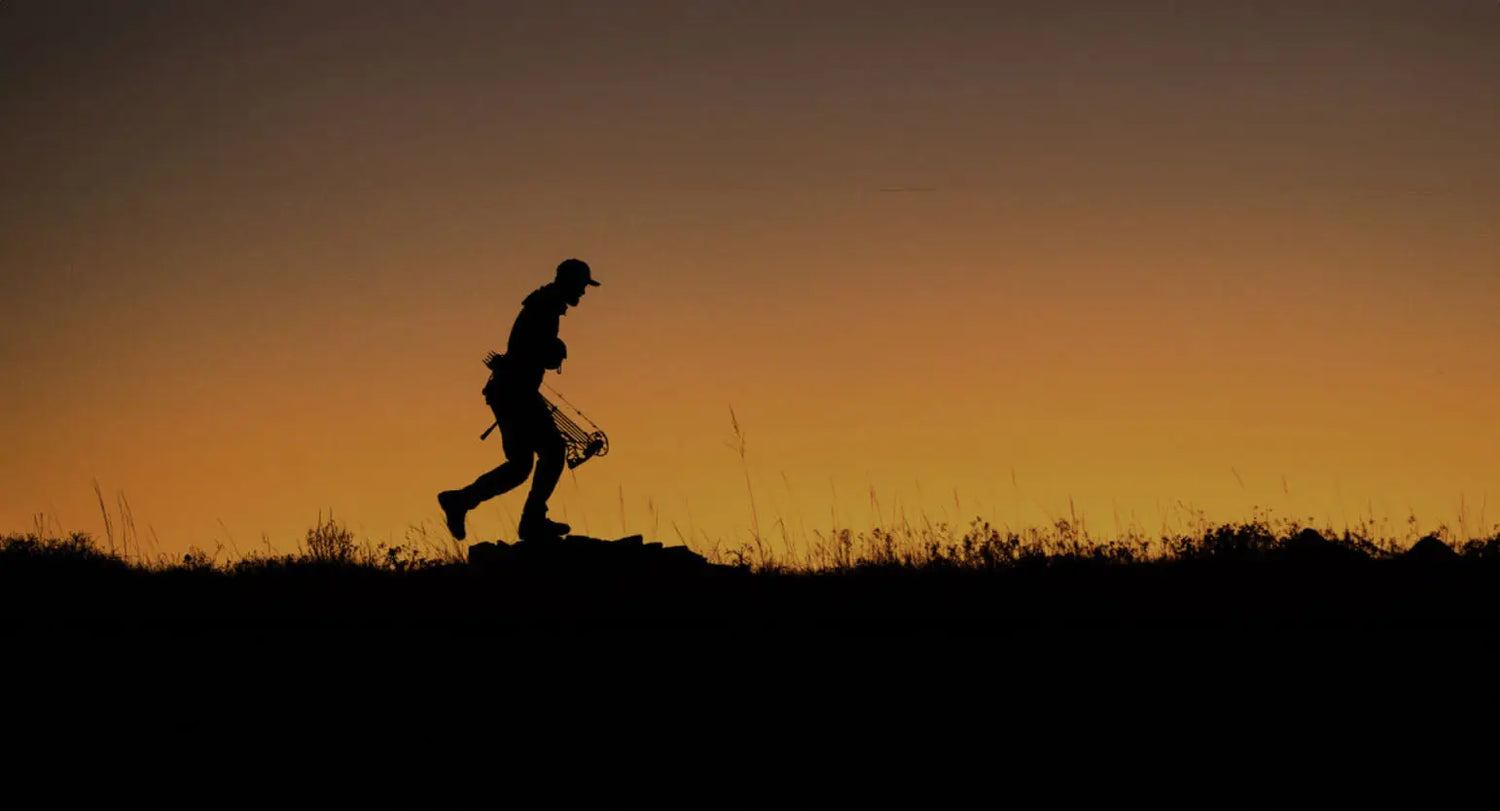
{"x":456,"y":503}
{"x":502,"y":479}
{"x":518,"y":445}
{"x":518,"y":454}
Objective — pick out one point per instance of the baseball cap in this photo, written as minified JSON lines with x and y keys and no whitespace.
{"x":575,"y":270}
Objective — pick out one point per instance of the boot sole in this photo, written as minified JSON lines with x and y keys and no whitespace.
{"x":541,"y":536}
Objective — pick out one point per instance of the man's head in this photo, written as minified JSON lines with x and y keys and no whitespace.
{"x":573,"y":279}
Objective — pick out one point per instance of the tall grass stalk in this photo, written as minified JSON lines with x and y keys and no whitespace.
{"x":109,"y":530}
{"x":739,"y":446}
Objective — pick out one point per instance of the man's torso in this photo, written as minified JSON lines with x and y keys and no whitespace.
{"x":528,"y":352}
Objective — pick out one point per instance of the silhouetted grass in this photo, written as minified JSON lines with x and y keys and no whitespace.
{"x":981,"y":546}
{"x":1253,"y":572}
{"x":939,"y":547}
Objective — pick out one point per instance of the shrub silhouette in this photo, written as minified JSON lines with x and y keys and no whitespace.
{"x":330,"y":542}
{"x":75,"y":552}
{"x":1245,"y":541}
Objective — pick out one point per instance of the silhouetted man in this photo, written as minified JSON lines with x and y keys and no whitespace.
{"x":525,"y":422}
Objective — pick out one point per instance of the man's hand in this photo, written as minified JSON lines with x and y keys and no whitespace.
{"x":559,"y":354}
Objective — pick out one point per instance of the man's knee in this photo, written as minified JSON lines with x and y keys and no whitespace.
{"x":519,"y":461}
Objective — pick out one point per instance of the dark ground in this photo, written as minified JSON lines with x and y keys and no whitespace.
{"x":1248,"y":669}
{"x":1268,"y":651}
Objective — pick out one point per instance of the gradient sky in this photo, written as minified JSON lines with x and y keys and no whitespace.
{"x":950,"y":261}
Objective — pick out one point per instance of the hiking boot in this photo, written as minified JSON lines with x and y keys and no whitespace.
{"x":454,"y":507}
{"x":541,"y":529}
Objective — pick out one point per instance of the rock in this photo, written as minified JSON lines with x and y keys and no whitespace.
{"x":1430,"y":549}
{"x":486,"y":553}
{"x":1309,"y":546}
{"x":682,"y":553}
{"x":580,"y":554}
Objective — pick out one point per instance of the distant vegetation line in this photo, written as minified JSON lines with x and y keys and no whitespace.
{"x":929,"y":546}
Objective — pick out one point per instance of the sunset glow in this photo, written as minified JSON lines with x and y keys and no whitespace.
{"x":1021,"y":264}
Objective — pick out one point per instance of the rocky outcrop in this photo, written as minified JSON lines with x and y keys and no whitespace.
{"x":577,"y":553}
{"x":1430,"y":549}
{"x":1310,"y":547}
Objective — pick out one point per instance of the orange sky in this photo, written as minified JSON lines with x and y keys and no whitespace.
{"x":250,"y":259}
